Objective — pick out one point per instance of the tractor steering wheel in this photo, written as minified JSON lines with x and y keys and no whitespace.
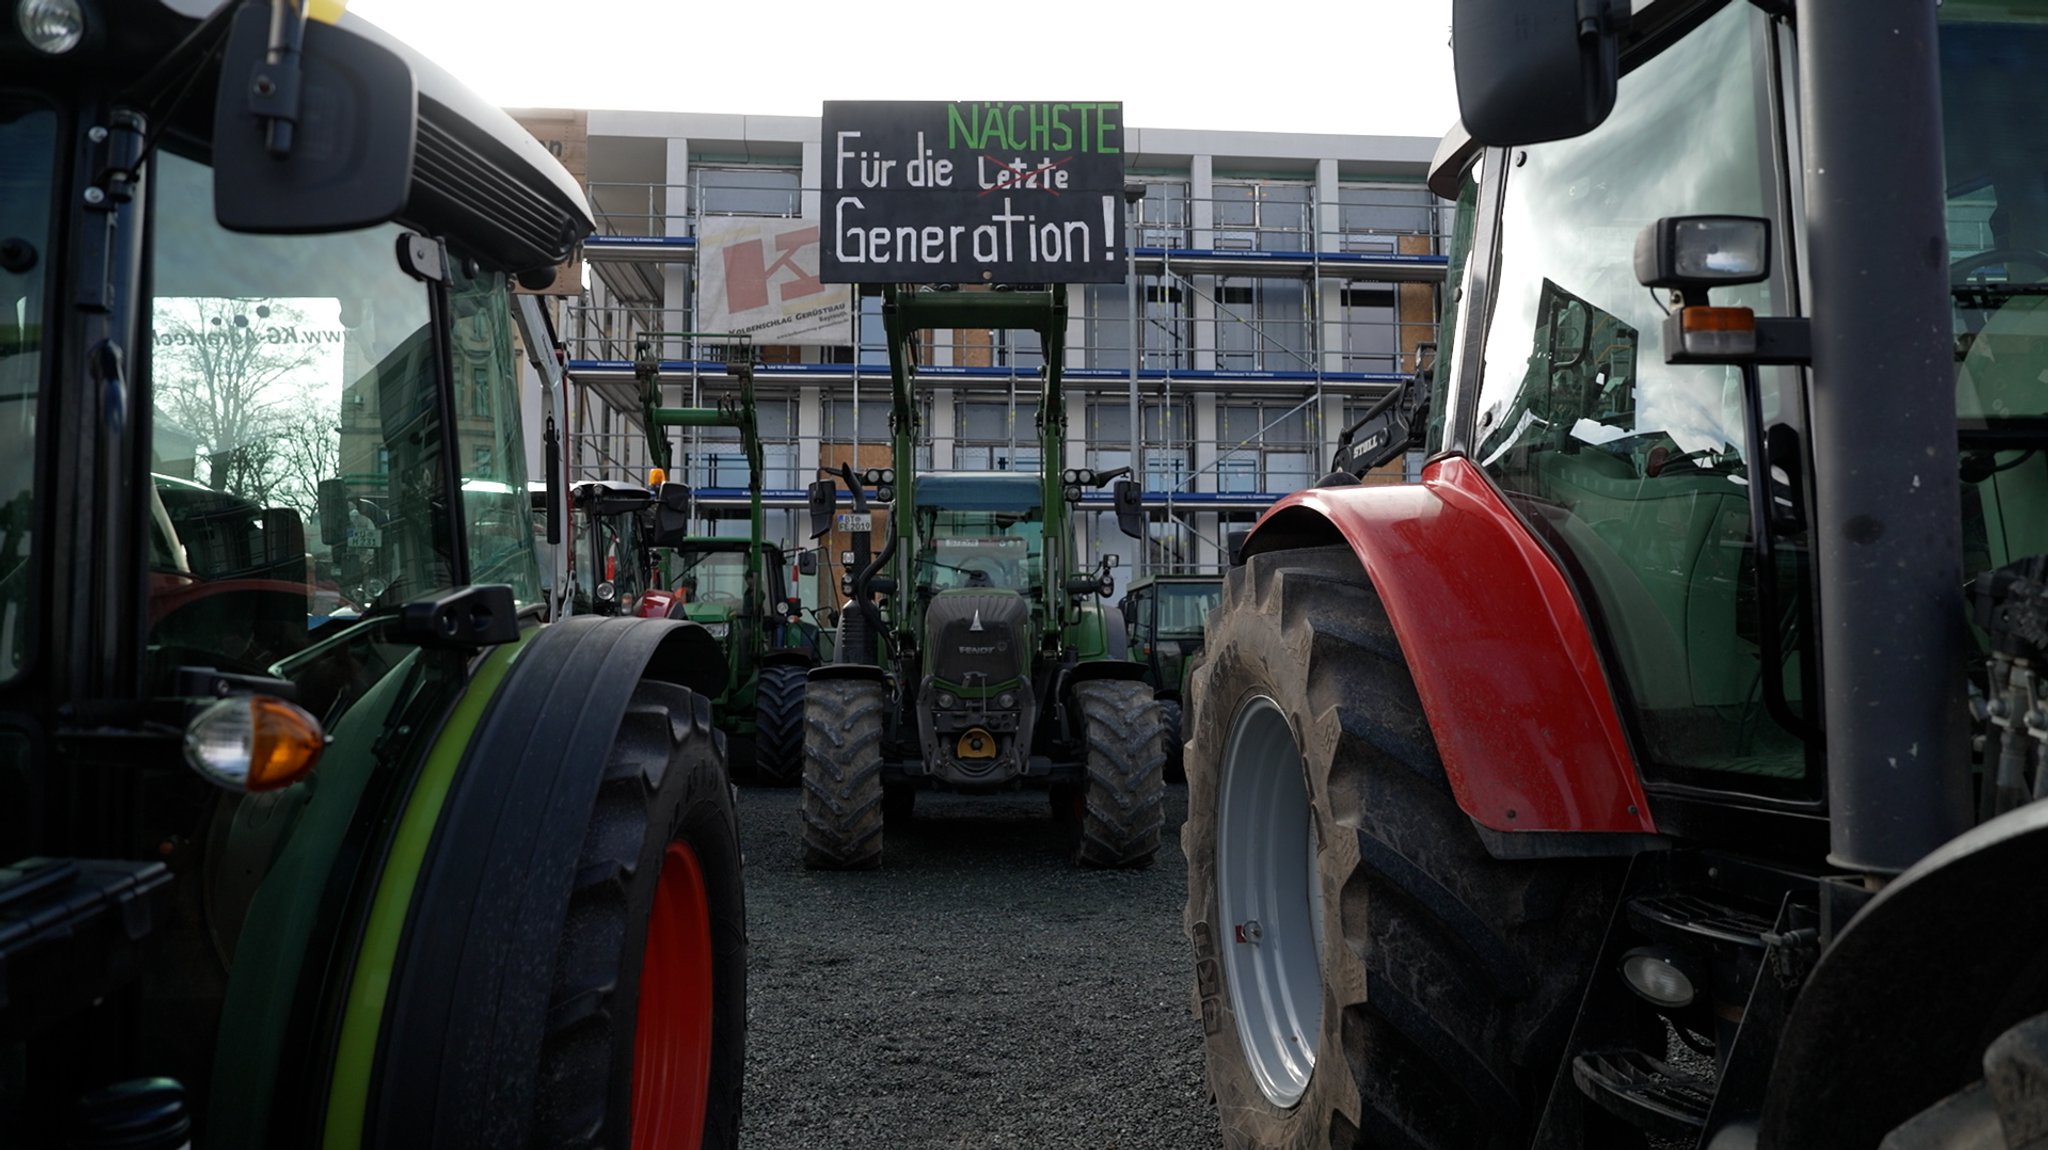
{"x":1964,"y":270}
{"x":1963,"y":273}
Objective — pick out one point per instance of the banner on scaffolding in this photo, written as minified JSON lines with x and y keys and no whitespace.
{"x":759,"y":277}
{"x":973,"y":192}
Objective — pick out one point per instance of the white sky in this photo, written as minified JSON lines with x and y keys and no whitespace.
{"x":1369,"y":67}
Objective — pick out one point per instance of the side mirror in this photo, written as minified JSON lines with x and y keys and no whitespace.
{"x":284,"y":544}
{"x":1535,"y":70}
{"x":322,"y":144}
{"x":807,"y":563}
{"x":1130,"y":508}
{"x":823,"y":497}
{"x":671,"y":514}
{"x":1235,"y":541}
{"x":332,"y":511}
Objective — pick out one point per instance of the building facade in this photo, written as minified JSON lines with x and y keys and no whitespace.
{"x":1278,"y":285}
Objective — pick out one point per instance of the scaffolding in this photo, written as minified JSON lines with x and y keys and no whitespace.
{"x":1218,"y":333}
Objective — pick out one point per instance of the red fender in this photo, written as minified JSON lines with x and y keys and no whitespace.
{"x":655,"y":604}
{"x":1502,"y":655}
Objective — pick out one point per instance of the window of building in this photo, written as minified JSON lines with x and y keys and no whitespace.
{"x":1367,"y":319}
{"x":749,"y":191}
{"x":1260,"y":215}
{"x":1373,"y":217}
{"x":1166,"y":331}
{"x":994,"y":436}
{"x":1163,"y":217}
{"x":1267,"y":446}
{"x":1262,"y":325}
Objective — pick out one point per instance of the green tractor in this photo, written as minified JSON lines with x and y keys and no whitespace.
{"x":310,"y":833}
{"x":737,"y":588}
{"x":989,"y":663}
{"x":1164,"y":616}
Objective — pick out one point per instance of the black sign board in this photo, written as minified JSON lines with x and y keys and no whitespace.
{"x":973,"y":192}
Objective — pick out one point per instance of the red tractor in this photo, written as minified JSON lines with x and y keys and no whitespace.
{"x":1661,"y":769}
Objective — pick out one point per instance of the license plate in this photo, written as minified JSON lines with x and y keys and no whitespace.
{"x":857,"y":521}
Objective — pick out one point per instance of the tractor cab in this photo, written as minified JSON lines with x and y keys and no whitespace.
{"x":609,"y":575}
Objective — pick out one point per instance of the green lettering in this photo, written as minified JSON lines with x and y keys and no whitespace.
{"x":992,"y":127}
{"x":1040,"y":131}
{"x":1102,"y":130}
{"x":1065,"y":139}
{"x":1017,"y":138}
{"x":960,"y":127}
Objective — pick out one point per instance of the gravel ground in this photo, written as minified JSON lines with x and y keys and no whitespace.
{"x":977,"y":991}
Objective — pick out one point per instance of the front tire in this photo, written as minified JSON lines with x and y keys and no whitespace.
{"x":1125,"y":792}
{"x":842,"y":796}
{"x":1366,"y":975}
{"x":575,"y":971}
{"x":779,"y":725}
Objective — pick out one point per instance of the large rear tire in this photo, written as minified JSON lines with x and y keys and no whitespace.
{"x":1125,"y":804}
{"x":779,"y":725}
{"x":842,"y":796}
{"x":576,"y":975}
{"x":660,"y":869}
{"x":1176,"y":759}
{"x":1366,"y":974}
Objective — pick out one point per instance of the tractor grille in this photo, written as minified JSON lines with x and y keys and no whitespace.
{"x":976,"y":637}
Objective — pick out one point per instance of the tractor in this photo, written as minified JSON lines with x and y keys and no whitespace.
{"x":735,"y":587}
{"x":310,"y":833}
{"x":989,"y":664}
{"x":1663,"y":767}
{"x":1164,"y":617}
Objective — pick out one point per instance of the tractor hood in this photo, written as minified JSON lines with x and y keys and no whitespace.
{"x":977,"y":638}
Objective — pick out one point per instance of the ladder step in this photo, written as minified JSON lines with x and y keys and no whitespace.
{"x":1694,"y":915}
{"x":1645,"y":1092}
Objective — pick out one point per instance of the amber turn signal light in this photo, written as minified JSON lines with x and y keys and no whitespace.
{"x":254,"y":743}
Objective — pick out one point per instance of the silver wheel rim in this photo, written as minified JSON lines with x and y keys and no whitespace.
{"x":1269,"y":896}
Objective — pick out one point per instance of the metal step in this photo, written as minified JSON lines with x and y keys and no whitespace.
{"x":1645,"y":1092}
{"x":1692,"y":914}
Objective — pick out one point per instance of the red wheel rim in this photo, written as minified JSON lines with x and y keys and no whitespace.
{"x":672,"y":1042}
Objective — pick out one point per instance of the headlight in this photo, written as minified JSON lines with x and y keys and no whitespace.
{"x":718,"y":630}
{"x":53,"y":27}
{"x":606,"y":592}
{"x":946,"y":700}
{"x":1007,"y":701}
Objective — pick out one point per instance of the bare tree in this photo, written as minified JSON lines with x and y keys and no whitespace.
{"x":230,"y":372}
{"x":306,"y":449}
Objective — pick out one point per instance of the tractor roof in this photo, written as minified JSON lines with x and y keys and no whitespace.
{"x":978,"y":490}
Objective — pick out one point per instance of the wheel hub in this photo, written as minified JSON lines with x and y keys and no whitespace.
{"x":1269,"y":896}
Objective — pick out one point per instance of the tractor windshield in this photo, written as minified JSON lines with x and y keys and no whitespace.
{"x":980,"y":549}
{"x":1185,"y":607}
{"x":1997,"y":183}
{"x":712,"y":577}
{"x":299,"y":443}
{"x":28,"y":153}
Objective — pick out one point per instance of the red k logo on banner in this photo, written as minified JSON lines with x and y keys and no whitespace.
{"x":748,"y":272}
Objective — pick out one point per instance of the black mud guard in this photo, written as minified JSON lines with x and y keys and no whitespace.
{"x":789,"y":657}
{"x":1897,"y":1013}
{"x":1093,"y":669}
{"x":848,"y":671}
{"x":505,"y":850}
